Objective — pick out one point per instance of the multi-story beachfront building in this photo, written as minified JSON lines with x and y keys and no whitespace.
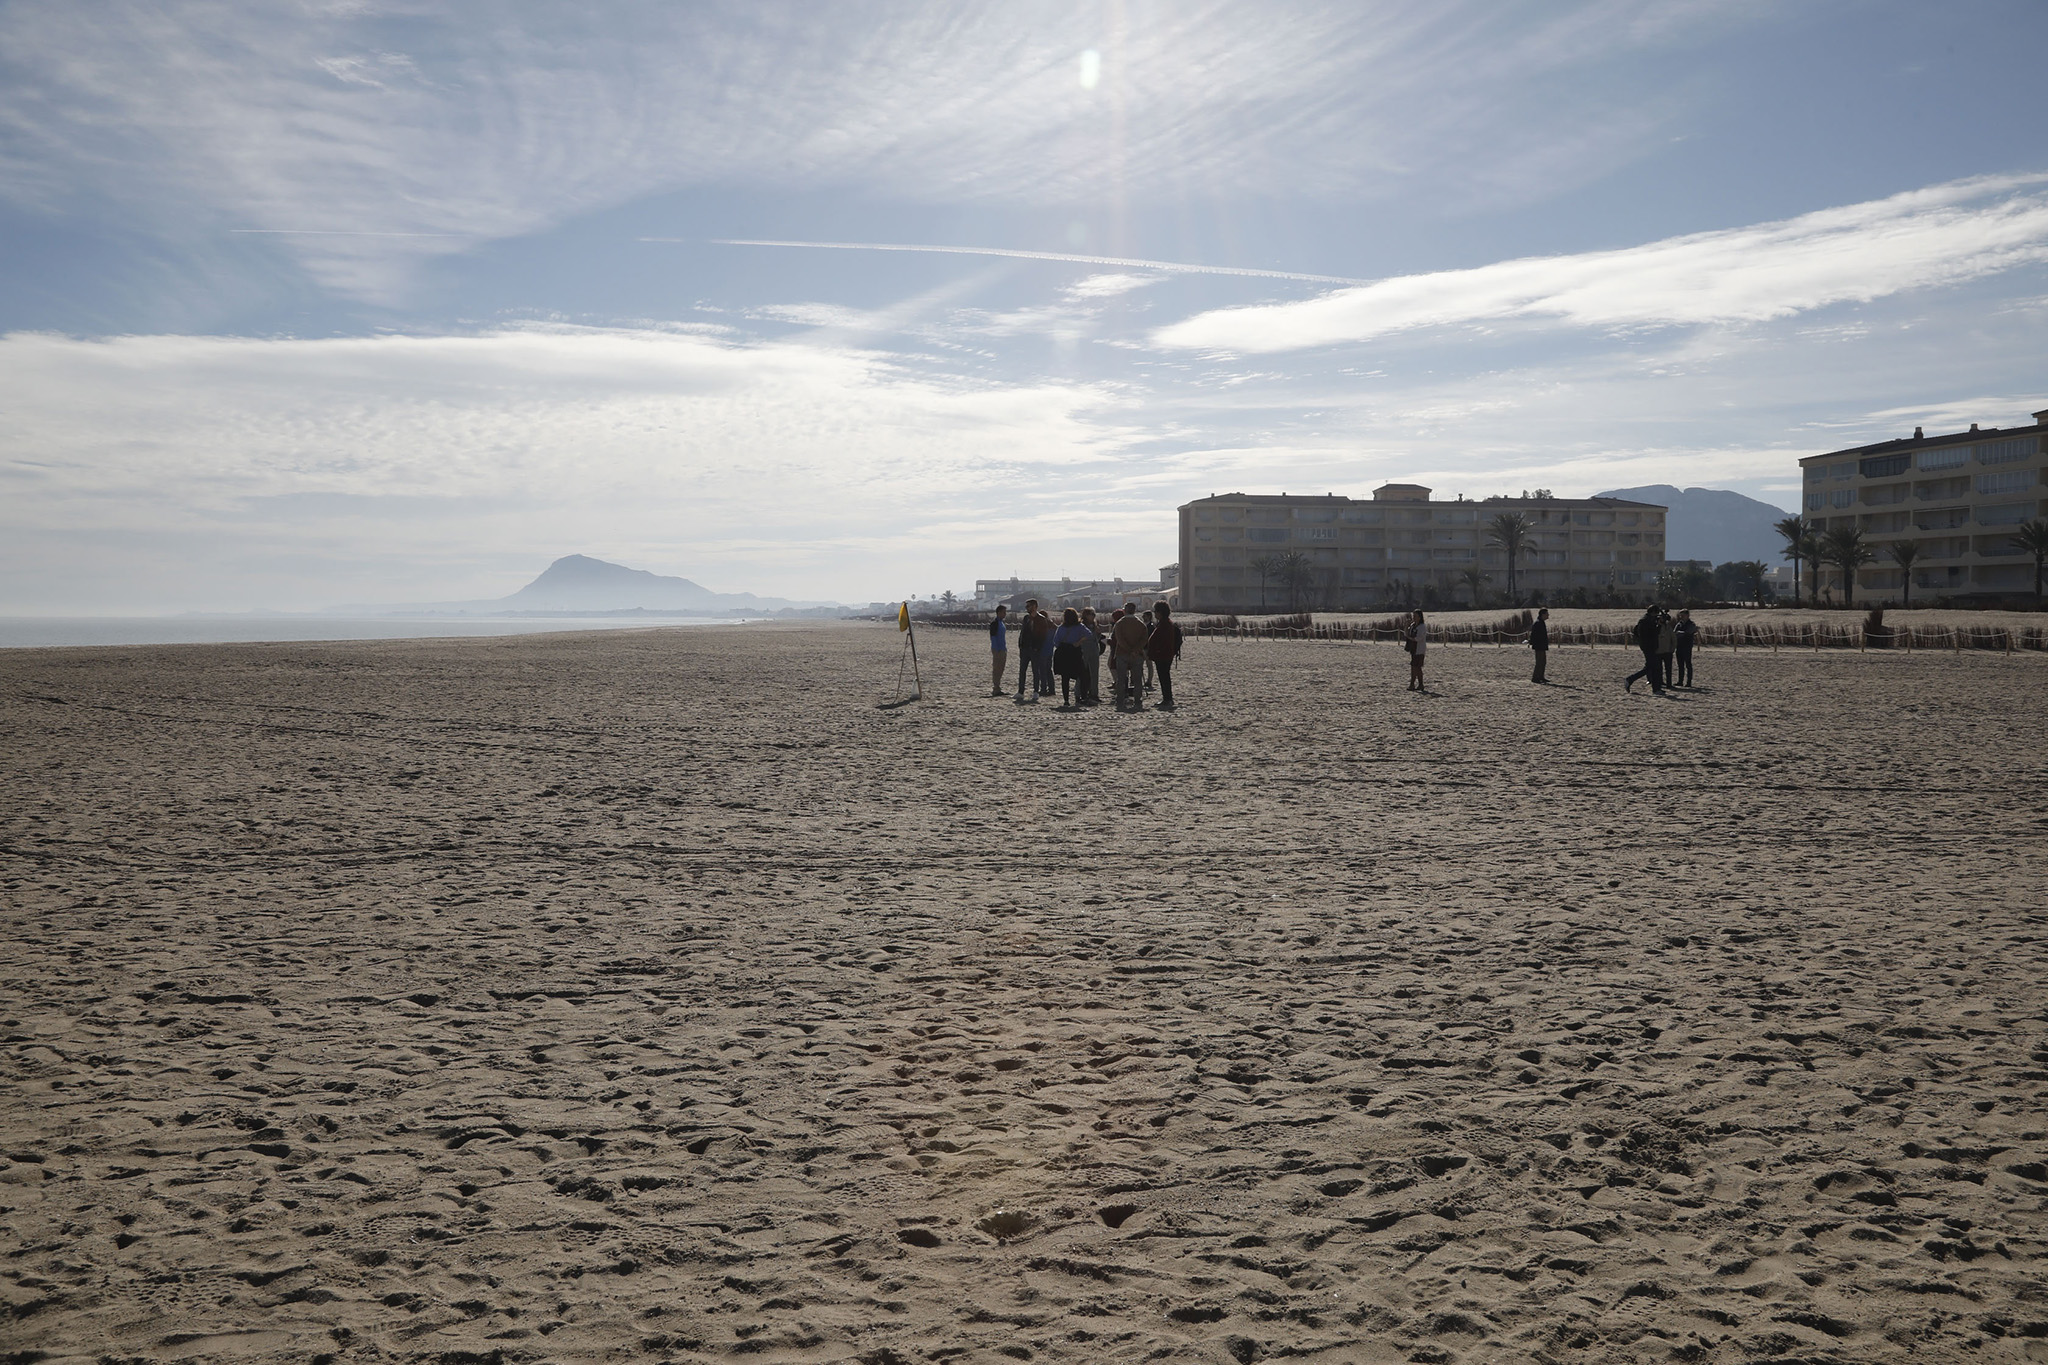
{"x":1956,"y":497}
{"x":1361,"y":555}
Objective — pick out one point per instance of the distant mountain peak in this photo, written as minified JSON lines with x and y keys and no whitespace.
{"x":583,"y":583}
{"x":580,"y":575}
{"x":1716,"y":524}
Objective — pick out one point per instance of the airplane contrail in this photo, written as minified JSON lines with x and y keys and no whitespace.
{"x":1180,"y":267}
{"x":337,"y":232}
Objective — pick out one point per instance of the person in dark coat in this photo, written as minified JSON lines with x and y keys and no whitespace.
{"x":1646,"y":632}
{"x":1162,"y":647}
{"x":1029,"y":635}
{"x":1539,"y":641}
{"x":1685,"y":634}
{"x":1667,"y":645}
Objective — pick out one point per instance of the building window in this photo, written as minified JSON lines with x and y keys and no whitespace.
{"x":1884,"y":466}
{"x":1816,"y":472}
{"x":2008,"y":450}
{"x":1951,"y":458}
{"x":1842,"y":471}
{"x":1816,"y":501}
{"x":1264,"y":535}
{"x":1885,"y":496}
{"x":1315,"y":514}
{"x":1317,"y":533}
{"x":2005,"y":514}
{"x":1942,"y":519}
{"x":2012,"y":482}
{"x":1842,"y":497}
{"x":1368,"y":516}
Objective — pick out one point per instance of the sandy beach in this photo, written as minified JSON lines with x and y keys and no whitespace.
{"x":656,"y":996}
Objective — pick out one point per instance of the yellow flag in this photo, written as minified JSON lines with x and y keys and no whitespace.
{"x":903,"y":617}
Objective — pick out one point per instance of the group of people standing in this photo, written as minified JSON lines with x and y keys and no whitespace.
{"x":1142,"y":648}
{"x":1666,"y":642}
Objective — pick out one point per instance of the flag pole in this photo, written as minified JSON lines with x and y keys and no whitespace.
{"x":915,"y":672}
{"x":903,"y":625}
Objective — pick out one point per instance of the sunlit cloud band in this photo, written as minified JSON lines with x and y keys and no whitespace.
{"x":1942,"y":235}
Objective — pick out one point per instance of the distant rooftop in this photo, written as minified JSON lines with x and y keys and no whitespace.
{"x":1495,"y":501}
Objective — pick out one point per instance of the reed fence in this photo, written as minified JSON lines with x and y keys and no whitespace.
{"x":1808,"y":636}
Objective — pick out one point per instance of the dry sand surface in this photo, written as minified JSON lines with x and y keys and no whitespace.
{"x":656,"y":996}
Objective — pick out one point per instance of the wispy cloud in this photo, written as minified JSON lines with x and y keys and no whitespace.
{"x":415,"y":118}
{"x":1942,"y":235}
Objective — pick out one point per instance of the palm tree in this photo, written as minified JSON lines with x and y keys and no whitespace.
{"x":1812,"y":548}
{"x":1511,"y":532}
{"x":2032,"y":536}
{"x":947,"y":598}
{"x":1846,"y":551}
{"x":1476,"y":579}
{"x":1295,"y":569}
{"x":1263,"y":566}
{"x":1794,"y":532}
{"x":1904,"y":552}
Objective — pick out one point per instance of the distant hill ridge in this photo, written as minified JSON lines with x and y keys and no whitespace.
{"x":1712,"y":523}
{"x":579,"y":583}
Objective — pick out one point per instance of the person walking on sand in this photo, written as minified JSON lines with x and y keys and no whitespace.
{"x":1539,"y":641}
{"x":1042,"y":666}
{"x":1149,"y":622}
{"x":1416,"y":642}
{"x":1027,"y":648}
{"x":1127,"y":658}
{"x":1687,"y":634}
{"x":1646,"y":641}
{"x":999,"y":648}
{"x":1067,"y":661}
{"x":1091,"y":660}
{"x":1667,"y":643}
{"x":1162,"y":647}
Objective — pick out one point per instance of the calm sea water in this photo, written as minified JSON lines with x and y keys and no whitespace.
{"x":22,"y":632}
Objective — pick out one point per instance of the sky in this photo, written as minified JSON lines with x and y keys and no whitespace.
{"x":341,"y":301}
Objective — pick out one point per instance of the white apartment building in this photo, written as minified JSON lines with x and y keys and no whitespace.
{"x":1957,"y":497}
{"x":1364,"y":554}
